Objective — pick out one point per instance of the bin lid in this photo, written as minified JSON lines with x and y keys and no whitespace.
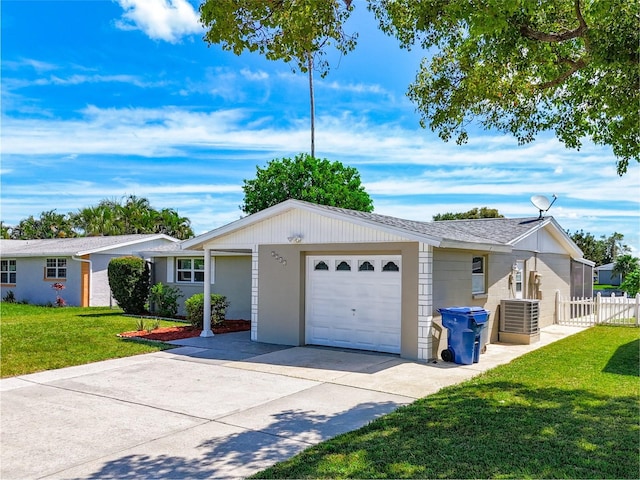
{"x":461,"y":310}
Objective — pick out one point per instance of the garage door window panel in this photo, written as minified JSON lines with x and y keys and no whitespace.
{"x":321,"y":265}
{"x":343,"y":266}
{"x":390,"y":267}
{"x":365,"y":266}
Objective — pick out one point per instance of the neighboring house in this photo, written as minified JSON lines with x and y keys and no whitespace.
{"x":330,"y":276}
{"x":604,"y":275}
{"x":30,"y":267}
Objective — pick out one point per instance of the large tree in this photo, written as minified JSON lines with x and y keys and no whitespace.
{"x":296,"y":31}
{"x":305,"y":178}
{"x":128,"y":215}
{"x":474,"y":213}
{"x":603,"y":250}
{"x":521,"y":67}
{"x":131,"y":215}
{"x":568,"y":66}
{"x":624,"y":265}
{"x":50,"y":224}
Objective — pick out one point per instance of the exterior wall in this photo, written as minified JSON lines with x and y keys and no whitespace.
{"x":31,"y":286}
{"x":313,"y":228}
{"x":452,"y":283}
{"x":606,"y":277}
{"x":281,"y":289}
{"x":100,"y":290}
{"x":232,"y":278}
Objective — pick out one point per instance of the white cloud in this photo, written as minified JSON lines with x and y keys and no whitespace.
{"x":167,"y":20}
{"x":254,"y":76}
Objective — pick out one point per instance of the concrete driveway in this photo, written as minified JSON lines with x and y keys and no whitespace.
{"x":220,"y":407}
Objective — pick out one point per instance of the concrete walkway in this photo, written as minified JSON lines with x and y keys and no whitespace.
{"x":220,"y":407}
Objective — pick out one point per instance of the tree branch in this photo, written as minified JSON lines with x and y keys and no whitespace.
{"x":574,"y":66}
{"x":579,"y":32}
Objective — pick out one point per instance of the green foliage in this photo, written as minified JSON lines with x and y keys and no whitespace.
{"x":140,"y":324}
{"x":37,"y":338}
{"x":195,"y":309}
{"x":164,"y":299}
{"x":305,"y":178}
{"x":567,"y":410}
{"x":601,"y":251}
{"x":131,"y":215}
{"x":287,"y":30}
{"x":567,"y":66}
{"x":484,"y":212}
{"x":9,"y":297}
{"x":49,"y":225}
{"x":129,"y":280}
{"x":631,"y":283}
{"x":624,"y":265}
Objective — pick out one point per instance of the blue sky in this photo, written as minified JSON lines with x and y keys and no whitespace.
{"x":102,"y":99}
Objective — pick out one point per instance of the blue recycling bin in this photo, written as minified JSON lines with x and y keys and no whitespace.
{"x":465,"y":338}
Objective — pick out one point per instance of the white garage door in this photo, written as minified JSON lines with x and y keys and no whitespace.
{"x":354,"y":301}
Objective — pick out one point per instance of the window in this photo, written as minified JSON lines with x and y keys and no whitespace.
{"x":343,"y":266}
{"x":56,"y":268}
{"x":321,"y":265}
{"x":390,"y":267}
{"x":519,"y":279}
{"x":190,"y":270}
{"x":477,"y":275}
{"x":365,"y":266}
{"x":7,"y":271}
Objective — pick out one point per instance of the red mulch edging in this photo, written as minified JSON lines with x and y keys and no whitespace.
{"x":167,"y":334}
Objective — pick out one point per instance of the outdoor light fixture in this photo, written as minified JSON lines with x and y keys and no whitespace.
{"x":295,"y":238}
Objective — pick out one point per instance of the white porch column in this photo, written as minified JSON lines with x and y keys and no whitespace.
{"x":206,"y":321}
{"x":425,"y":302}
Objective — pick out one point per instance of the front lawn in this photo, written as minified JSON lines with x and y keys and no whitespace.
{"x":34,"y":338}
{"x":568,"y":410}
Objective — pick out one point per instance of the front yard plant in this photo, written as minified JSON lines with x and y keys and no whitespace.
{"x":163,"y":300}
{"x":129,"y":280}
{"x":195,"y":309}
{"x":568,"y":410}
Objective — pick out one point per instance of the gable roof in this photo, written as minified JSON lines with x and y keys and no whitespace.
{"x":74,"y":246}
{"x":493,"y":234}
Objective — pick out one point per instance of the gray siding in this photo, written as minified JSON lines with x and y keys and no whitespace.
{"x":100,"y":290}
{"x":31,"y":286}
{"x":452,"y":282}
{"x":232,"y":278}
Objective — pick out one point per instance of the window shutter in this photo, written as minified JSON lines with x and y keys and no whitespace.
{"x":170,"y":269}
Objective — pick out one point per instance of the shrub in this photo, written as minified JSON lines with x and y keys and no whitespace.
{"x":164,"y":299}
{"x":9,"y":297}
{"x":631,"y":283}
{"x":195,"y":309}
{"x":129,"y":281}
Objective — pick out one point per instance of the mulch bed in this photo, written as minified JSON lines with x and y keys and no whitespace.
{"x":167,"y":334}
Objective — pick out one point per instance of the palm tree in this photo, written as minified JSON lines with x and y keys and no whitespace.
{"x":624,"y":265}
{"x":169,"y":222}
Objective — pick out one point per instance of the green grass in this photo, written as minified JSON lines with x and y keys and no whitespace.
{"x":568,"y":410}
{"x":35,"y":338}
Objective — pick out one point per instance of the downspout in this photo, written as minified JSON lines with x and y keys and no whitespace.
{"x":84,"y":260}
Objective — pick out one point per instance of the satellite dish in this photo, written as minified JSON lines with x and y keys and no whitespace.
{"x":542,"y":203}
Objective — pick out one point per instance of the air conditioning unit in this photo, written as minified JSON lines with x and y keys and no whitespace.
{"x":519,"y":321}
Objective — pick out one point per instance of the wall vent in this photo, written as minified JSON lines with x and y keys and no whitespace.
{"x":520,"y":316}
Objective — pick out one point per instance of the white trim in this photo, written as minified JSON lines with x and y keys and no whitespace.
{"x":206,"y":321}
{"x":126,"y":244}
{"x":171,"y":274}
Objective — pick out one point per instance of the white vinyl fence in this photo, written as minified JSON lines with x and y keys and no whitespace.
{"x":600,"y":309}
